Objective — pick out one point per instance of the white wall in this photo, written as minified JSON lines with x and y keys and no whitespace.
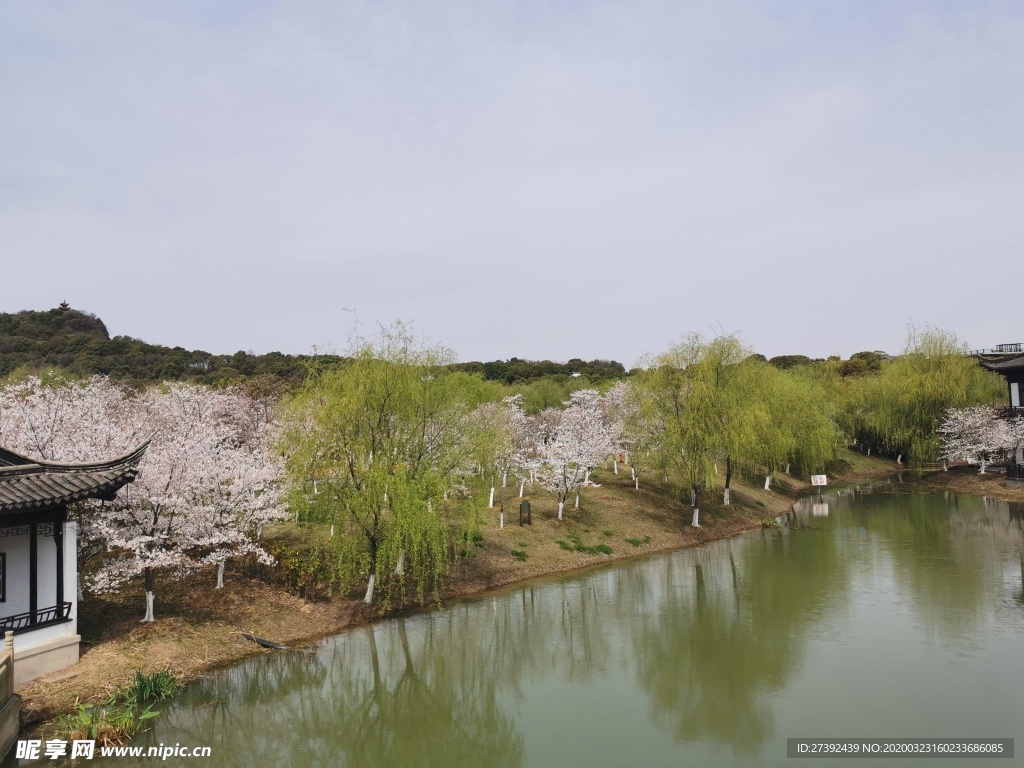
{"x":16,"y":548}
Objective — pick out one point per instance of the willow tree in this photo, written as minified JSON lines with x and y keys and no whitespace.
{"x":794,"y":418}
{"x":693,"y":396}
{"x":903,"y":405}
{"x":372,"y":443}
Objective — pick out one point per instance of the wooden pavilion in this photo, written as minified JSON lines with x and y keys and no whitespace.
{"x":38,"y":553}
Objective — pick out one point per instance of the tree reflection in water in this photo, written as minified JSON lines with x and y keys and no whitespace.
{"x":709,"y":636}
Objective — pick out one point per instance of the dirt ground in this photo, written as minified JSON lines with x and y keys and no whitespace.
{"x":199,"y":629}
{"x":968,"y":480}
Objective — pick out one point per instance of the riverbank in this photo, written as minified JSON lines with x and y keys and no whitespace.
{"x":199,"y":629}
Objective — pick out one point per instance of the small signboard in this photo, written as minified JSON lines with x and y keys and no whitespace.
{"x":820,"y":510}
{"x":818,"y":480}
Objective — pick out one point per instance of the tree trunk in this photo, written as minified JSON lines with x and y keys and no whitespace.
{"x":615,"y":466}
{"x":982,"y":470}
{"x":522,"y":487}
{"x":767,"y":481}
{"x":728,"y":477}
{"x":400,"y":565}
{"x":368,"y":599}
{"x":560,"y":505}
{"x":898,"y":458}
{"x":504,"y":478}
{"x":787,"y":468}
{"x":725,"y":497}
{"x":577,"y":501}
{"x":636,"y":482}
{"x":945,"y":468}
{"x":869,"y":450}
{"x":149,"y":617}
{"x":501,"y":520}
{"x":220,"y":574}
{"x":586,"y":477}
{"x":696,"y":515}
{"x":332,"y":530}
{"x":632,"y":471}
{"x":490,"y":503}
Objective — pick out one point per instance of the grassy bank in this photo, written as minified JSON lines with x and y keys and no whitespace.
{"x":200,"y":629}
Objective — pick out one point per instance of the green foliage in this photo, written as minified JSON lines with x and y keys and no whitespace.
{"x":515,"y":370}
{"x":155,"y":686}
{"x":900,"y":407}
{"x":122,"y":715}
{"x":608,"y":533}
{"x":564,"y":545}
{"x":579,"y":546}
{"x":373,"y":446}
{"x":519,"y":555}
{"x":636,"y":542}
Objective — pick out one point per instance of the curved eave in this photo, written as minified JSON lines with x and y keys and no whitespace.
{"x":44,"y":485}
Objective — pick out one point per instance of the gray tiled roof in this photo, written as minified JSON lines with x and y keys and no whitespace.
{"x":1002,"y":362}
{"x":41,"y":484}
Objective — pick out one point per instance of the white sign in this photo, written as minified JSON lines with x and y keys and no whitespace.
{"x":820,"y":510}
{"x":818,"y":480}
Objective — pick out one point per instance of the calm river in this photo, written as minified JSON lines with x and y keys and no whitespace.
{"x":889,"y":616}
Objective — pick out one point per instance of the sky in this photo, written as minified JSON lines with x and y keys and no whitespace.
{"x":544,"y":179}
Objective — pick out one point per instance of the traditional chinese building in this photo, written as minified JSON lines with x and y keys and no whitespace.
{"x":38,"y":553}
{"x":1008,"y":361}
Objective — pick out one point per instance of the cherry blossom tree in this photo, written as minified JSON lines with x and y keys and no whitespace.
{"x":981,"y":434}
{"x":207,"y":484}
{"x":569,"y":443}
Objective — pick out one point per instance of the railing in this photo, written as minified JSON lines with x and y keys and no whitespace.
{"x":6,"y":673}
{"x":1015,"y":471}
{"x":44,"y":617}
{"x":1000,"y":349}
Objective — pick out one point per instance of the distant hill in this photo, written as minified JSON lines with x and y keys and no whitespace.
{"x":80,"y":343}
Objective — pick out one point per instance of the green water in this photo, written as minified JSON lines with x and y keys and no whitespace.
{"x":892,"y":616}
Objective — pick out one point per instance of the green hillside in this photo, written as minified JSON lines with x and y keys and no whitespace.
{"x":79,"y":342}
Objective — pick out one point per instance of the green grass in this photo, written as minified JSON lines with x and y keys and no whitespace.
{"x":519,"y":555}
{"x":579,"y":546}
{"x":608,"y":533}
{"x":638,"y":542}
{"x":564,"y":545}
{"x":122,"y":715}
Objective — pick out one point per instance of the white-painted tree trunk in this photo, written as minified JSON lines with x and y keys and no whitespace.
{"x":504,"y":478}
{"x":220,"y":575}
{"x":787,"y":468}
{"x":490,"y":502}
{"x":696,"y":516}
{"x":332,"y":530}
{"x":767,"y":482}
{"x":315,"y":491}
{"x":899,"y":459}
{"x":716,"y":468}
{"x":400,"y":565}
{"x":869,"y":450}
{"x":560,"y":505}
{"x":501,"y":520}
{"x":632,"y":471}
{"x":725,"y":497}
{"x":983,"y":465}
{"x":522,"y":487}
{"x":577,"y":501}
{"x":636,"y":482}
{"x":148,"y":618}
{"x":615,"y":466}
{"x":693,"y":498}
{"x":945,"y":467}
{"x":369,"y":589}
{"x":586,"y":478}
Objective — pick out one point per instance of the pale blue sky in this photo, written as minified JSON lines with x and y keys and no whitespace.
{"x":538,"y":179}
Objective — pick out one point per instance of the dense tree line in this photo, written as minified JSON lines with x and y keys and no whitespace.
{"x":80,"y":344}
